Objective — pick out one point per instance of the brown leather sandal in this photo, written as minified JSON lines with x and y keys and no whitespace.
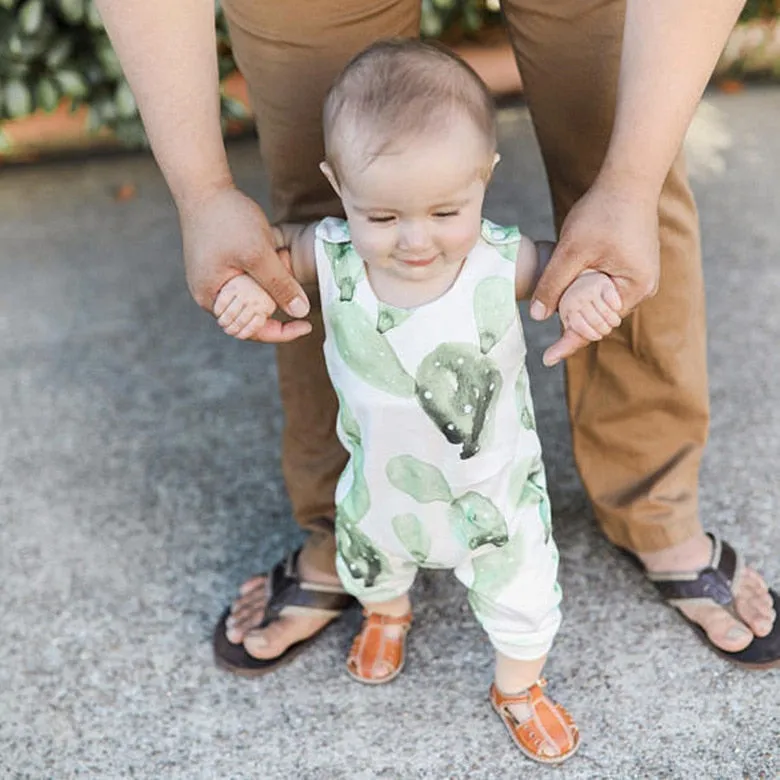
{"x":549,"y":735}
{"x":377,"y":655}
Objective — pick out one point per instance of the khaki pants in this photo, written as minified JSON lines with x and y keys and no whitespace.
{"x":638,"y":400}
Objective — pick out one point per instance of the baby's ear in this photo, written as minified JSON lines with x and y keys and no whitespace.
{"x":330,"y":175}
{"x":487,"y":172}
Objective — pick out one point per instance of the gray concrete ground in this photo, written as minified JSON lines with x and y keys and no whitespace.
{"x":140,"y":482}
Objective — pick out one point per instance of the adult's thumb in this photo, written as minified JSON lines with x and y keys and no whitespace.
{"x":272,"y":272}
{"x":561,"y":271}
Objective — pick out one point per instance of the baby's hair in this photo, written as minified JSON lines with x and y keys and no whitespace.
{"x":398,"y":88}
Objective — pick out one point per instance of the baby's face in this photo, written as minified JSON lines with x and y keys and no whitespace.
{"x":415,"y":213}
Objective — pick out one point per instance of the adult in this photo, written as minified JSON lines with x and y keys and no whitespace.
{"x":611,"y":86}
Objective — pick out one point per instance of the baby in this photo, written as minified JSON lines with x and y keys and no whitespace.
{"x":425,"y":350}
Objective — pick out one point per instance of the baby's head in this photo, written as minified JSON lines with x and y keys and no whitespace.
{"x":398,"y":93}
{"x":410,"y":142}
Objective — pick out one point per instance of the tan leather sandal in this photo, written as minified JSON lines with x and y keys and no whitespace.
{"x":377,"y":655}
{"x":549,"y":734}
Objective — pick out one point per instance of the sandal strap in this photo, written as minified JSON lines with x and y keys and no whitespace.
{"x":531,"y":694}
{"x":375,"y":619}
{"x":713,"y":583}
{"x":288,"y":592}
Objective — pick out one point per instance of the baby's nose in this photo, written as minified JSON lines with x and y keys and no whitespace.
{"x":414,"y":236}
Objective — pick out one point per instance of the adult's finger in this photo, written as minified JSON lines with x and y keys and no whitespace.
{"x":272,"y":273}
{"x":275,"y":332}
{"x":565,"y":347}
{"x":563,"y":268}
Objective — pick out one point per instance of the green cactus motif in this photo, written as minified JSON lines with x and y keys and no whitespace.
{"x":348,"y":422}
{"x":495,"y":309}
{"x":389,"y":317}
{"x":504,"y":239}
{"x":477,"y":521}
{"x":456,"y":387}
{"x":355,"y":505}
{"x":367,"y":352}
{"x":364,"y":561}
{"x":523,"y":400}
{"x":422,"y":481}
{"x":347,"y":267}
{"x":413,"y":536}
{"x":493,"y":571}
{"x":518,"y":479}
{"x":535,"y":492}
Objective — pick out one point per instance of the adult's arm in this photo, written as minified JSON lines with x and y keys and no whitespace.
{"x":168,"y":53}
{"x":669,"y":52}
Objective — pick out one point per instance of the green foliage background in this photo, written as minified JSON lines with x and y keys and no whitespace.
{"x":55,"y":49}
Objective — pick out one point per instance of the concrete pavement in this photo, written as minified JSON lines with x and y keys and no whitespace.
{"x":139,"y":483}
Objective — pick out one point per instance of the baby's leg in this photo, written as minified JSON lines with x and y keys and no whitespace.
{"x":514,"y":593}
{"x":381,"y":582}
{"x":515,"y":675}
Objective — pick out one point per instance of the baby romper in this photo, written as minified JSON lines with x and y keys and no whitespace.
{"x":445,"y":466}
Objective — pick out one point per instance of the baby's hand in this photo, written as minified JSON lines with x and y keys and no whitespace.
{"x":243,"y":309}
{"x":590,"y":306}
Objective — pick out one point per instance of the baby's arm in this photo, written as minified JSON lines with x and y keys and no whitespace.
{"x":243,"y":308}
{"x":589,"y":308}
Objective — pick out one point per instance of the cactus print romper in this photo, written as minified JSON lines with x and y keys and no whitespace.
{"x":445,"y":466}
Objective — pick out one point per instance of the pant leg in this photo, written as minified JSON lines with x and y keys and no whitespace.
{"x":513,"y":589}
{"x":290,"y":51}
{"x":638,"y":400}
{"x":368,"y":572}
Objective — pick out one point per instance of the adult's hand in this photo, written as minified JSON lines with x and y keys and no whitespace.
{"x":612,"y":229}
{"x":226,"y":234}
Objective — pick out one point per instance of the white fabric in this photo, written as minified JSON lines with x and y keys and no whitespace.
{"x":403,"y":466}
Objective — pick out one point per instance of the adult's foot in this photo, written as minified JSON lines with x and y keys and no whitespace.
{"x":248,"y":611}
{"x":752,"y":600}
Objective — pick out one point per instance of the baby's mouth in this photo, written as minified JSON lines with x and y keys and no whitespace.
{"x":418,"y":262}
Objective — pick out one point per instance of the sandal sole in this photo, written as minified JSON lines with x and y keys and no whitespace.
{"x":246,"y":665}
{"x":725,"y":654}
{"x":382,"y":681}
{"x":732,"y":658}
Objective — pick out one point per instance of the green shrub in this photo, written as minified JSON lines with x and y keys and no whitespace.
{"x":55,"y":49}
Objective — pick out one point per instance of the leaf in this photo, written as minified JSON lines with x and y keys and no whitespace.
{"x":125,"y":101}
{"x":72,"y":83}
{"x":47,"y":96}
{"x":94,"y":22}
{"x":72,"y":10}
{"x":107,"y":58}
{"x":30,"y":16}
{"x":233,"y":109}
{"x":18,"y":100}
{"x":59,"y":52}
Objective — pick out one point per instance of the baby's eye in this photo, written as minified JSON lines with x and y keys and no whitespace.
{"x":451,"y":213}
{"x":381,"y":220}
